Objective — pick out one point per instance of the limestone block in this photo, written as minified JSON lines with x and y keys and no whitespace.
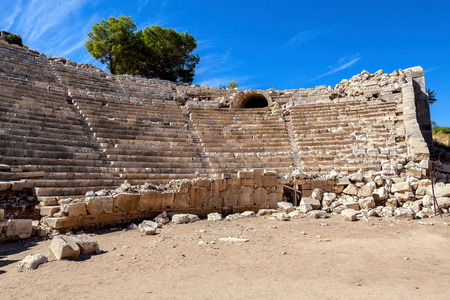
{"x":127,"y":202}
{"x":181,"y":201}
{"x":214,"y":217}
{"x":200,"y":197}
{"x":2,"y":214}
{"x":349,"y":214}
{"x":401,"y":187}
{"x":64,"y":246}
{"x":281,"y":216}
{"x":148,"y":227}
{"x":440,"y":190}
{"x":153,"y":201}
{"x":357,"y":177}
{"x":180,"y":219}
{"x":4,"y":186}
{"x":246,"y":174}
{"x":21,"y":228}
{"x":392,"y":202}
{"x":295,"y":214}
{"x":245,"y":196}
{"x":260,"y":197}
{"x":162,"y":219}
{"x":49,"y":211}
{"x":74,"y":209}
{"x":380,"y":194}
{"x":416,"y":206}
{"x":274,"y":198}
{"x":365,"y":191}
{"x":315,"y":204}
{"x":328,"y":198}
{"x":219,"y":185}
{"x":269,"y":180}
{"x":317,"y":194}
{"x":193,"y":218}
{"x":248,"y":214}
{"x":343,"y":181}
{"x":304,"y":207}
{"x":404,"y":213}
{"x":316,"y":214}
{"x":258,"y":177}
{"x":231,"y":196}
{"x":248,"y":181}
{"x":86,"y":243}
{"x":421,"y":190}
{"x":366,"y":203}
{"x":351,"y":190}
{"x":206,"y":183}
{"x":100,"y":205}
{"x":351,"y":204}
{"x":31,"y":262}
{"x":285,"y":207}
{"x":444,"y":202}
{"x":378,"y":180}
{"x":402,"y":197}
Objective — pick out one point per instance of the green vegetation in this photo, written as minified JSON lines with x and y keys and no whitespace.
{"x":233,"y":84}
{"x":154,"y":52}
{"x":441,"y":130}
{"x":14,"y":39}
{"x":431,"y":96}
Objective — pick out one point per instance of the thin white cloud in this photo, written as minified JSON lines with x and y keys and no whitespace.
{"x":8,"y":20}
{"x":304,"y":36}
{"x":211,"y":64}
{"x":342,"y":64}
{"x":433,"y":69}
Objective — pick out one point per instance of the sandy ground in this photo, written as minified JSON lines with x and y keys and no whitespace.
{"x":297,"y":259}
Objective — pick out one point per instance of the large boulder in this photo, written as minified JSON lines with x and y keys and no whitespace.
{"x":64,"y":246}
{"x":404,"y":213}
{"x":180,"y":219}
{"x":315,"y":204}
{"x":21,"y":228}
{"x":87,"y":244}
{"x":285,"y":207}
{"x":148,"y":227}
{"x":328,"y":199}
{"x":349,"y":214}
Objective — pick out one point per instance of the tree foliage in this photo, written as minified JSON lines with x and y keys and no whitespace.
{"x":233,"y":84}
{"x":14,"y":39}
{"x":431,"y":96}
{"x":152,"y":52}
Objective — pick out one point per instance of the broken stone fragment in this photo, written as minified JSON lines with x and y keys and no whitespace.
{"x":148,"y":227}
{"x":328,"y":199}
{"x":21,"y":228}
{"x":366,"y":203}
{"x":4,"y":186}
{"x":74,"y":209}
{"x":193,"y":218}
{"x":351,"y":204}
{"x":401,"y":187}
{"x":315,"y":204}
{"x":233,"y":240}
{"x":180,"y":219}
{"x":305,"y":207}
{"x":248,"y":214}
{"x":2,"y":214}
{"x":281,"y":216}
{"x":349,"y":214}
{"x":31,"y":262}
{"x":316,"y":214}
{"x":234,"y":216}
{"x":317,"y":194}
{"x":404,"y":213}
{"x":285,"y":207}
{"x":351,"y":190}
{"x":86,"y":243}
{"x":265,"y":212}
{"x":294,"y":214}
{"x":64,"y":246}
{"x":214,"y":217}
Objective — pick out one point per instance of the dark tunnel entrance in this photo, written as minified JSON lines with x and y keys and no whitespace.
{"x":254,"y":101}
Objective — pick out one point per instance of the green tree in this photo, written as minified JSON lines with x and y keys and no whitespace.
{"x":110,"y":42}
{"x":14,"y":39}
{"x":431,"y":96}
{"x":152,"y":52}
{"x":233,"y":84}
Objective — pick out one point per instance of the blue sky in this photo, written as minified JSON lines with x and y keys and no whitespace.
{"x":264,"y":44}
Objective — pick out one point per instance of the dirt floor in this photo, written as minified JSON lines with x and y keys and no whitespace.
{"x":297,"y":259}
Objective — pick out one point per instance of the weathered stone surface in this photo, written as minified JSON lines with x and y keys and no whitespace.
{"x":148,"y":227}
{"x":2,"y":214}
{"x":315,"y":204}
{"x":31,"y":262}
{"x":440,"y":190}
{"x":380,"y":194}
{"x":48,"y":210}
{"x":234,"y":216}
{"x":365,"y":191}
{"x":349,"y":214}
{"x":401,"y":187}
{"x":4,"y":186}
{"x":100,"y":205}
{"x":285,"y":207}
{"x":404,"y":213}
{"x":366,"y":203}
{"x":193,"y":218}
{"x":21,"y":228}
{"x":351,"y":189}
{"x":328,"y":199}
{"x":444,"y":202}
{"x":343,"y":181}
{"x":317,"y":194}
{"x":87,"y":244}
{"x":74,"y":209}
{"x":64,"y":246}
{"x":316,"y":214}
{"x":305,"y":207}
{"x":214,"y":217}
{"x":248,"y":214}
{"x":351,"y":204}
{"x":233,"y":240}
{"x":162,"y":218}
{"x":281,"y":216}
{"x":266,"y":212}
{"x":295,"y":214}
{"x":126,"y":202}
{"x":180,"y":219}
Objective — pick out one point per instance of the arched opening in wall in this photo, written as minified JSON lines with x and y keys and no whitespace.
{"x":253,"y":101}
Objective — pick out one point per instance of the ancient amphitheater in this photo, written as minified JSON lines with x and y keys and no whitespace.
{"x":92,"y":148}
